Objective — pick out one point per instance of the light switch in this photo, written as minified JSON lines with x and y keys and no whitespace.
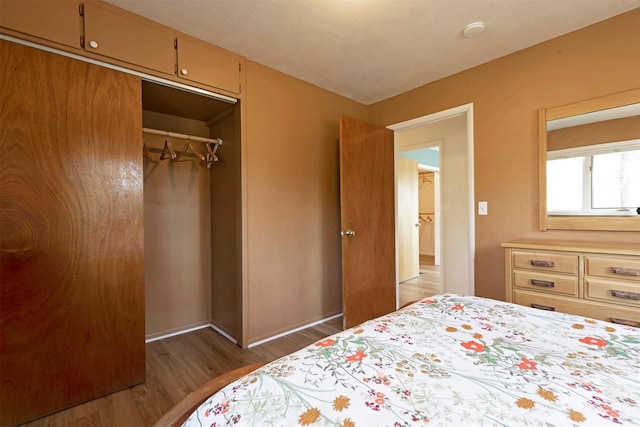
{"x":482,"y":208}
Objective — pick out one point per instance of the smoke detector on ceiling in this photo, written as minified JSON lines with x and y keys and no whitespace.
{"x":473,"y":30}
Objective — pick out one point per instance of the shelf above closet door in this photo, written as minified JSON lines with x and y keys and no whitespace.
{"x":111,"y":33}
{"x":57,"y":21}
{"x":209,"y":65}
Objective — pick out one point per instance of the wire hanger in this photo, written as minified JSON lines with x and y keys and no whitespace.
{"x":145,"y":150}
{"x":186,"y":149}
{"x":167,"y":151}
{"x":211,"y":152}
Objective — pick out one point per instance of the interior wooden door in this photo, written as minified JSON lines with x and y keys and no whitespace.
{"x":71,"y":233}
{"x":368,"y":221}
{"x":408,"y":219}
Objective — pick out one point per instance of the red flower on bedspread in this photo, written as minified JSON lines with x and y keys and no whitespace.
{"x":527,"y":364}
{"x":474,"y":346}
{"x":357,"y":357}
{"x":593,"y":341}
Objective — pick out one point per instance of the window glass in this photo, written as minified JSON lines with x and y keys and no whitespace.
{"x":615,"y":180}
{"x":565,"y":184}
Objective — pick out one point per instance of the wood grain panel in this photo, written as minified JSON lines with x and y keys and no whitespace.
{"x":578,"y":307}
{"x":613,"y":267}
{"x":544,"y":282}
{"x":367,"y":207}
{"x":71,"y":258}
{"x":546,"y":261}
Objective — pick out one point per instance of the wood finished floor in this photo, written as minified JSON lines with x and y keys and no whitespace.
{"x":175,"y":367}
{"x":425,"y":285}
{"x":178,"y":365}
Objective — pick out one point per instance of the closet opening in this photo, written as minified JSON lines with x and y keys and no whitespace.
{"x":192,"y":202}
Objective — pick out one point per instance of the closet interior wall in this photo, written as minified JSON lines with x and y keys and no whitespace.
{"x":180,"y":203}
{"x":226,"y":229}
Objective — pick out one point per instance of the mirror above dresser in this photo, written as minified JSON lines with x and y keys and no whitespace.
{"x":590,"y":164}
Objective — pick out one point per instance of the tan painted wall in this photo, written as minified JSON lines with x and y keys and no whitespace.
{"x":293,"y":264}
{"x":598,"y":60}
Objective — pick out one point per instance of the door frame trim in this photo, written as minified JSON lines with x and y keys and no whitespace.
{"x":467,"y":110}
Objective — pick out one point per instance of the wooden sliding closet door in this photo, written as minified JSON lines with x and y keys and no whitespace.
{"x":71,"y":233}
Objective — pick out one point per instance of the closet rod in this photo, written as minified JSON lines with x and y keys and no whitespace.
{"x":182,"y":135}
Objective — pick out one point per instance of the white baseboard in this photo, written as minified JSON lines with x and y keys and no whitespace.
{"x":161,"y":335}
{"x":293,"y":330}
{"x":223,"y":333}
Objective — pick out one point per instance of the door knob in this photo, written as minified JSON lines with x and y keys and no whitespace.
{"x":348,"y":233}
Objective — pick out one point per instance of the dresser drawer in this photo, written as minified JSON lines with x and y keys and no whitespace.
{"x":615,"y":291}
{"x":592,"y":309}
{"x":613,"y":267}
{"x":545,"y":282}
{"x":546,"y":261}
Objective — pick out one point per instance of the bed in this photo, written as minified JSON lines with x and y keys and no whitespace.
{"x":447,"y":360}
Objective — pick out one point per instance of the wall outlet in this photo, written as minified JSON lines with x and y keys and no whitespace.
{"x":482,"y":208}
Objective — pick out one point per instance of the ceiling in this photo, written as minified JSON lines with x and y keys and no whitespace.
{"x":370,"y":50}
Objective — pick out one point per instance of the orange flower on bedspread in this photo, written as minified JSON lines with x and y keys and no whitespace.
{"x":309,"y":417}
{"x":547,"y":395}
{"x":525,"y":403}
{"x":326,"y":343}
{"x":527,"y":364}
{"x":576,"y":416}
{"x":348,"y":423}
{"x":593,"y":341}
{"x":356,"y":357}
{"x":341,"y":402}
{"x":474,"y":346}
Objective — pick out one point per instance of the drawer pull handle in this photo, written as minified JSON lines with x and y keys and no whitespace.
{"x":542,"y":263}
{"x":542,"y":283}
{"x":625,"y":322}
{"x":543,"y":307}
{"x":626,"y":294}
{"x":625,"y":271}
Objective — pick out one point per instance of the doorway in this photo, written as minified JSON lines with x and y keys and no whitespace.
{"x":418,"y":192}
{"x":454,"y":129}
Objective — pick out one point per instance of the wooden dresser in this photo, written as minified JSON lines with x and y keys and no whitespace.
{"x":598,"y":280}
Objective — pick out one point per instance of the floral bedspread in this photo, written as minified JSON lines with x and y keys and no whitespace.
{"x":446,"y":361}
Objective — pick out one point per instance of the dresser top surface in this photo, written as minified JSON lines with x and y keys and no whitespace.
{"x":577,"y":246}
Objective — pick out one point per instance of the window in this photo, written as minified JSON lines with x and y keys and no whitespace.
{"x":600,"y":179}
